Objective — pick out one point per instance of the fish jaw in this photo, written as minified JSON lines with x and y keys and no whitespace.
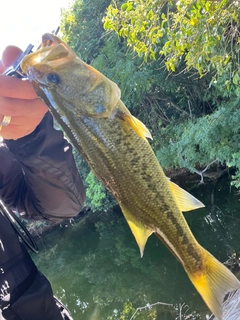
{"x":52,"y":49}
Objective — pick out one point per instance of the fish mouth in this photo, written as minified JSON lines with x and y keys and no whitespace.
{"x":52,"y":50}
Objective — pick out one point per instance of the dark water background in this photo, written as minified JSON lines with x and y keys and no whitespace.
{"x":95,"y":268}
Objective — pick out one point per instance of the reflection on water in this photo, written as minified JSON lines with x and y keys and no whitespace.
{"x":96,"y":270}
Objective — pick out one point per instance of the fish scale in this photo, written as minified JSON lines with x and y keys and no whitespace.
{"x":114,"y":144}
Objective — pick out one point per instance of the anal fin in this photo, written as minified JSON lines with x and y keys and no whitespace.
{"x":140,"y":232}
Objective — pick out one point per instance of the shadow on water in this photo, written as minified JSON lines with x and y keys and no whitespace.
{"x":96,"y":270}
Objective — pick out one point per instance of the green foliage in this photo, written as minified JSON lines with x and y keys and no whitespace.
{"x":126,"y":70}
{"x":192,"y":111}
{"x":192,"y":35}
{"x":97,"y":196}
{"x":204,"y":34}
{"x":138,"y":22}
{"x":208,"y":138}
{"x":82,"y":27}
{"x":152,"y":95}
{"x":235,"y":162}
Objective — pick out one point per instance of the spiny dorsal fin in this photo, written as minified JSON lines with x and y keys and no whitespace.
{"x":185,"y":200}
{"x":140,"y":232}
{"x":137,"y":126}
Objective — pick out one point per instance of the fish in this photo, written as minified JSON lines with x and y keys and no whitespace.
{"x":115,"y":145}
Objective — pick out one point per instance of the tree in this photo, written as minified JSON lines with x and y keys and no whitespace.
{"x":183,"y":84}
{"x":82,"y":27}
{"x":199,"y":38}
{"x":202,"y":33}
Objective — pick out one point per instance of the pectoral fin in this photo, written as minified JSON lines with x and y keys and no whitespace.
{"x":136,"y":125}
{"x":141,"y":129}
{"x":185,"y":200}
{"x":140,"y":232}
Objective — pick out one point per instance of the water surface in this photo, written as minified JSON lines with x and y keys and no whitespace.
{"x":95,"y":268}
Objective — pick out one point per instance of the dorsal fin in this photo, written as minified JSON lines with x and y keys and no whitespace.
{"x":185,"y":200}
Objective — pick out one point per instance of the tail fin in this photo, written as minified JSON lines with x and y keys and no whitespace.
{"x":213,"y":282}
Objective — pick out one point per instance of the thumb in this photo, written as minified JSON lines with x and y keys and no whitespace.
{"x":9,"y":56}
{"x":2,"y":68}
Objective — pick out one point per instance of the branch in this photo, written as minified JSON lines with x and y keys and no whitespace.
{"x":149,"y":306}
{"x":204,"y":170}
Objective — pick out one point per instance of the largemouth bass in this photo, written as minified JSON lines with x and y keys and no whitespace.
{"x":114,"y":143}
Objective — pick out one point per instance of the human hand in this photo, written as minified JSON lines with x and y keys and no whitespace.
{"x":18,"y":100}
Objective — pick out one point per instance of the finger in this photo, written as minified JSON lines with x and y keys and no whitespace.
{"x":10,"y":55}
{"x":19,"y":107}
{"x":20,"y":122}
{"x":28,"y":119}
{"x":24,"y":121}
{"x":21,"y":126}
{"x":2,"y":68}
{"x":15,"y":132}
{"x":16,"y":88}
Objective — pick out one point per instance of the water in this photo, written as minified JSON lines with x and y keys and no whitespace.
{"x":95,"y":267}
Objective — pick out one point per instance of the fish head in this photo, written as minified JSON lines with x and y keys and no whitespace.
{"x":61,"y":78}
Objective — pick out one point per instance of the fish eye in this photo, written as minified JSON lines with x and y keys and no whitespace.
{"x":52,"y":78}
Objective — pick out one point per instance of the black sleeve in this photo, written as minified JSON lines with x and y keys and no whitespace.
{"x":39,"y":175}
